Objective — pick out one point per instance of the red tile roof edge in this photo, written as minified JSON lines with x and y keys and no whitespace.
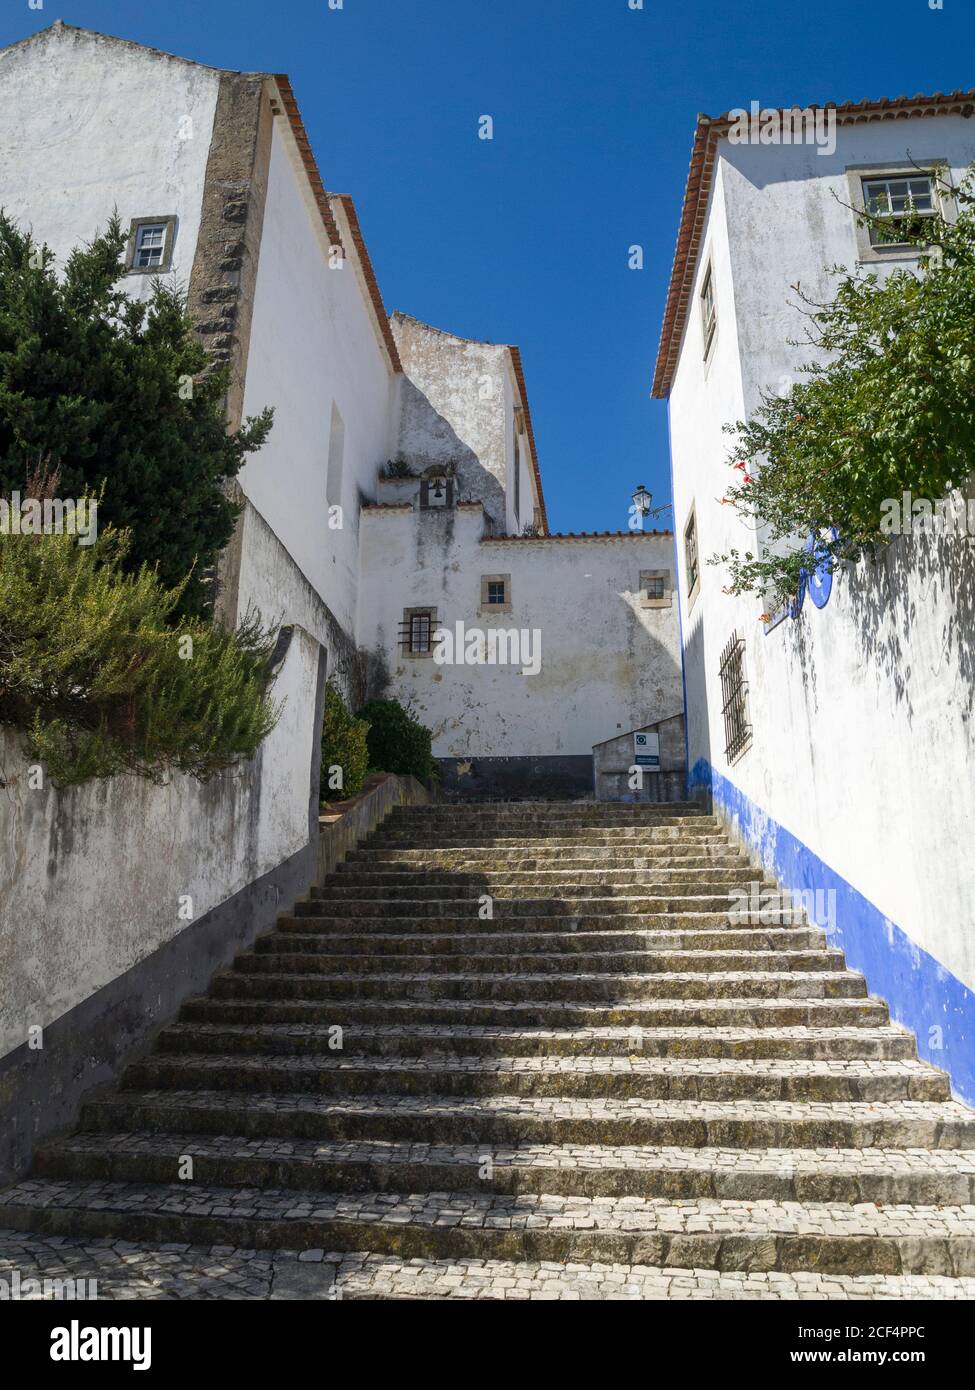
{"x":708,"y":132}
{"x":375,"y":293}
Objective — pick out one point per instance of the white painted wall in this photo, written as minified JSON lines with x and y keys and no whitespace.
{"x":90,"y":124}
{"x":862,"y":711}
{"x":607,"y":664}
{"x":313,"y":343}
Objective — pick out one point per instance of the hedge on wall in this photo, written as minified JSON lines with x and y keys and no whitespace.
{"x":345,"y":755}
{"x":398,"y":742}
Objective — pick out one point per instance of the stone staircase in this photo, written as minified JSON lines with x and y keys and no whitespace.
{"x":527,"y":1050}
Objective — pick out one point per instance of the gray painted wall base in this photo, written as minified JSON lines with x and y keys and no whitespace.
{"x":516,"y":778}
{"x":41,"y":1089}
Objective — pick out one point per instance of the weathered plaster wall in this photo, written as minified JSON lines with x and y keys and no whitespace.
{"x":862,"y":711}
{"x":91,"y":879}
{"x":313,"y":344}
{"x":607,"y":664}
{"x":90,"y":124}
{"x":456,"y":410}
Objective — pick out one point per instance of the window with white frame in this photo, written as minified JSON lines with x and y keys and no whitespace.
{"x":709,"y":318}
{"x":899,"y":200}
{"x":150,"y":248}
{"x":692,"y":570}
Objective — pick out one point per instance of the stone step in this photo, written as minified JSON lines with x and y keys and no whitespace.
{"x":129,"y":1270}
{"x":723,"y":885}
{"x":652,"y":1078}
{"x":672,"y":855}
{"x":311,"y":920}
{"x":296,"y":958}
{"x":942,"y":1178}
{"x":300,"y":937}
{"x":354,"y":881}
{"x":257,"y":976}
{"x":507,"y":905}
{"x":417,"y":819}
{"x":629,"y":837}
{"x":723,"y":1235}
{"x":248,"y":1005}
{"x":286,"y":1039}
{"x":278,"y":952}
{"x":507,"y":1119}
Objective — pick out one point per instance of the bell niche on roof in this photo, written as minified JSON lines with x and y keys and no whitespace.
{"x":437,"y":488}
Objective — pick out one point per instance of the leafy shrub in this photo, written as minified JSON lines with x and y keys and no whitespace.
{"x":343,"y":746}
{"x":101,"y":679}
{"x":397,"y":741}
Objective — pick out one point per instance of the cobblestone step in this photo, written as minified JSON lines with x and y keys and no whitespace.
{"x":249,"y":1005}
{"x":310,"y":916}
{"x":658,"y":1078}
{"x":126,"y":1271}
{"x":672,"y":855}
{"x":354,"y":881}
{"x":884,"y":1176}
{"x":261,"y":977}
{"x":727,"y":1236}
{"x":820,"y":1044}
{"x":508,"y":1119}
{"x":278,"y":953}
{"x":296,"y":936}
{"x":629,"y":836}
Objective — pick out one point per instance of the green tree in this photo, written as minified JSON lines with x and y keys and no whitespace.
{"x":890,"y":409}
{"x":101,"y":678}
{"x":116,"y":396}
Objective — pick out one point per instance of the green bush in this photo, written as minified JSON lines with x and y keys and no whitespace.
{"x":397,"y":741}
{"x":343,"y":748}
{"x":100,"y":678}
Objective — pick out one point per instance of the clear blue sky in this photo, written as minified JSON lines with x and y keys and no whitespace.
{"x":525,"y":239}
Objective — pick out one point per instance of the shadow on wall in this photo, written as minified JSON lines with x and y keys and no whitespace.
{"x":698,"y":724}
{"x":886,"y":611}
{"x":473,"y":482}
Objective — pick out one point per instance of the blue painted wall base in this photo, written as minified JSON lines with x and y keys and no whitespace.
{"x":922,"y":995}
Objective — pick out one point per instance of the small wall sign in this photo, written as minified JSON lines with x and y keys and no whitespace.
{"x":646,"y":751}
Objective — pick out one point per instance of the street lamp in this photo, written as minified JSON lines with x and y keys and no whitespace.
{"x":643,"y":507}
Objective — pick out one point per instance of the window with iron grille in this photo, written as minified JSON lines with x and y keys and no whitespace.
{"x":734,"y":698}
{"x":416,"y":631}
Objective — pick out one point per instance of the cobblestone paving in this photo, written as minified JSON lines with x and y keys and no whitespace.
{"x":124,"y":1270}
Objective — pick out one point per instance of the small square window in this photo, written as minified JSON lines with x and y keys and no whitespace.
{"x":655,"y":589}
{"x":496,"y":592}
{"x":417,"y":631}
{"x":150,"y":248}
{"x":709,"y":317}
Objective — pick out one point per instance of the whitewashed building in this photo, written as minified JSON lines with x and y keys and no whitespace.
{"x":839,"y":741}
